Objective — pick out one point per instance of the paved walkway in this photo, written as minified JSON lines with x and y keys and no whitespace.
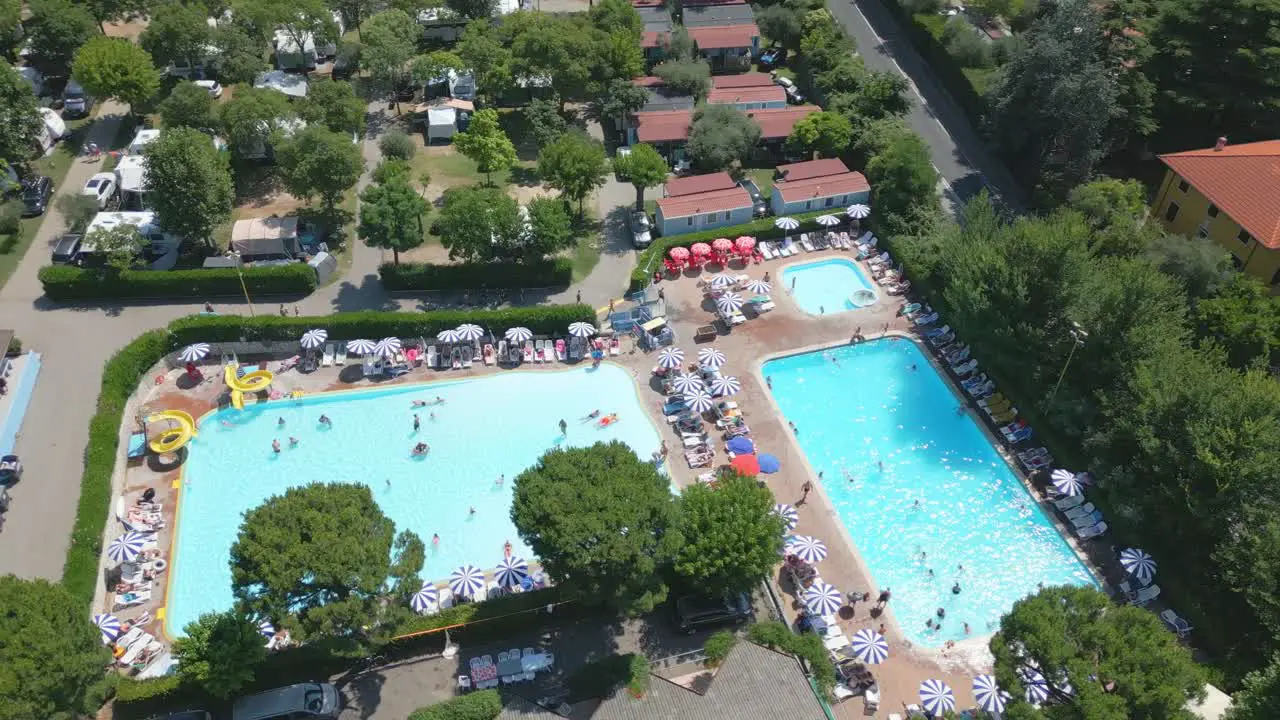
{"x":77,"y":340}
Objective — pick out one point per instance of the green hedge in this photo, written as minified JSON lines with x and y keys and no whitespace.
{"x":775,"y":635}
{"x":943,"y":66}
{"x":476,"y":276}
{"x":67,"y":282}
{"x":482,"y":705}
{"x":762,"y":229}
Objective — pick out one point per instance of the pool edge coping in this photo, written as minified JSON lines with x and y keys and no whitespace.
{"x":931,"y":654}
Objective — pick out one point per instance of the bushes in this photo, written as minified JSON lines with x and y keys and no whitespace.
{"x":600,"y":678}
{"x":15,"y":346}
{"x":719,"y":646}
{"x":638,"y":675}
{"x":808,"y":646}
{"x":466,"y":276}
{"x":397,"y":145}
{"x":476,"y":623}
{"x":925,"y":31}
{"x":65,"y":282}
{"x":482,"y":705}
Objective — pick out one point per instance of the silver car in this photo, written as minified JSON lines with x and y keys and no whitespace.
{"x":641,"y":229}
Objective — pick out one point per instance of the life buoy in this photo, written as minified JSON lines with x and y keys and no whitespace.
{"x":159,"y":564}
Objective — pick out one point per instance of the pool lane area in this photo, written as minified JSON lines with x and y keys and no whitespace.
{"x":928,"y":502}
{"x":488,"y":428}
{"x":830,"y":286}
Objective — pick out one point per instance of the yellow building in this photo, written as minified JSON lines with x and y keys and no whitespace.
{"x":1231,"y":194}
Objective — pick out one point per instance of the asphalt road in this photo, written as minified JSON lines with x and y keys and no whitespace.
{"x":958,"y":153}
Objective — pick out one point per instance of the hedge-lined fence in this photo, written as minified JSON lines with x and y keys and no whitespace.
{"x":480,"y":705}
{"x":67,"y":282}
{"x":476,"y":276}
{"x":650,"y":258}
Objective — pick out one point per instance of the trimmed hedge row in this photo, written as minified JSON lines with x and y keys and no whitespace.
{"x":482,"y":705}
{"x":944,"y":67}
{"x":762,"y":229}
{"x":67,"y":282}
{"x":478,"y":276}
{"x":542,"y":320}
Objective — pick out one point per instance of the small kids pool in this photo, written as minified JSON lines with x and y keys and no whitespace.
{"x":828,"y":286}
{"x":925,"y":497}
{"x":488,"y":427}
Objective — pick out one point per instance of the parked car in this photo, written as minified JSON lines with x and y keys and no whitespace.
{"x":75,"y":101}
{"x":67,"y":250}
{"x":773,"y":57}
{"x":641,"y":229}
{"x":793,"y":93}
{"x":101,"y":186}
{"x":10,"y":470}
{"x":212,"y":86}
{"x":759,"y":206}
{"x":695,"y":612}
{"x":35,"y":195}
{"x":293,"y":702}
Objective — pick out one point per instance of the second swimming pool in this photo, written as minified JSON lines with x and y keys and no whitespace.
{"x":927,"y":500}
{"x":827,"y":286}
{"x":488,"y":428}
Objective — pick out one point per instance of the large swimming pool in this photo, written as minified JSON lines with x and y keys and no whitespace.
{"x":488,"y":427}
{"x":827,"y":286}
{"x":925,"y":497}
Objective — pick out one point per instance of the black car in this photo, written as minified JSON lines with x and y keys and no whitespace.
{"x":695,"y":612}
{"x":66,"y":250}
{"x":759,"y":206}
{"x":35,"y":195}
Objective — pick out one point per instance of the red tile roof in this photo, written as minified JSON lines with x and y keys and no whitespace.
{"x":1242,"y":180}
{"x":701,"y":3}
{"x":694,"y":184}
{"x":654,"y":39}
{"x":647,"y":3}
{"x":751,"y":79}
{"x":777,"y":123}
{"x":730,"y":96}
{"x":811,"y":169}
{"x":663,"y":125}
{"x":821,"y":187}
{"x":724,"y":36}
{"x":733,"y":198}
{"x":647,"y":81}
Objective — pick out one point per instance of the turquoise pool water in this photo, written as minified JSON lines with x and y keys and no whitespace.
{"x":892,"y":439}
{"x":824,"y":287}
{"x":491,"y":426}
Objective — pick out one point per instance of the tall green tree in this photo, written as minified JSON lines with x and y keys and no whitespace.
{"x":19,"y":116}
{"x":333,"y":104}
{"x":550,"y":229}
{"x":780,"y":24}
{"x":643,"y":168}
{"x":602,"y":521}
{"x":903,"y":181}
{"x":391,"y":216}
{"x":478,"y":224}
{"x":1244,"y":319}
{"x":575,"y":165}
{"x":722,"y":136}
{"x":546,"y":124}
{"x":116,"y":68}
{"x":188,"y":105}
{"x":617,"y":101}
{"x":1120,"y":661}
{"x":220,"y":652}
{"x":388,"y":41}
{"x":251,"y":116}
{"x":241,"y":54}
{"x":485,"y":142}
{"x":612,"y":16}
{"x":300,"y":21}
{"x":732,"y":536}
{"x":686,"y":77}
{"x":481,"y":48}
{"x":120,"y":246}
{"x":177,"y":33}
{"x":431,"y":66}
{"x":57,"y":29}
{"x":53,"y":663}
{"x":188,"y":183}
{"x":1260,"y":695}
{"x":825,"y":133}
{"x":318,"y":162}
{"x":1116,"y":210}
{"x":557,"y":48}
{"x":10,"y":25}
{"x":320,"y":553}
{"x":473,"y":9}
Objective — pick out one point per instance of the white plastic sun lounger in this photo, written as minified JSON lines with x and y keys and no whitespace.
{"x":327,"y":359}
{"x":766,"y":251}
{"x":431,"y":356}
{"x":528,"y":351}
{"x":804,"y":242}
{"x":1067,"y":503}
{"x":1146,"y":595}
{"x":502,"y":351}
{"x":537,"y":350}
{"x":1092,"y":532}
{"x":341,"y":358}
{"x":466,"y":356}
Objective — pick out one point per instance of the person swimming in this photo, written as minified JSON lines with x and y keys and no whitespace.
{"x":419,"y":403}
{"x":435,"y":538}
{"x":955,"y":589}
{"x":417,"y":422}
{"x":421,"y":449}
{"x":293,"y":441}
{"x":275,"y":445}
{"x":501,"y":479}
{"x":280,"y":422}
{"x":471,"y":510}
{"x":506,"y":549}
{"x":608,"y":420}
{"x":324,"y":420}
{"x":594,"y":414}
{"x":564,"y":427}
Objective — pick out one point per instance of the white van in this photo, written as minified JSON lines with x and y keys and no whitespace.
{"x":75,"y":101}
{"x":294,"y":702}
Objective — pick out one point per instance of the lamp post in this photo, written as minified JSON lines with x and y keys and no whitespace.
{"x":1078,"y":336}
{"x":240,"y":272}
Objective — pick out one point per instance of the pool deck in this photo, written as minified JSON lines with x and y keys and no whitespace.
{"x":786,"y":330}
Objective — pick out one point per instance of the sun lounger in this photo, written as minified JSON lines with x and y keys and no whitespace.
{"x":528,"y":351}
{"x":455,"y":358}
{"x":538,"y":346}
{"x":560,"y":350}
{"x":1145,"y":595}
{"x":901,"y":288}
{"x":1067,"y":503}
{"x":1091,"y":532}
{"x":1178,"y":624}
{"x":548,"y":352}
{"x":766,"y":251}
{"x":129,"y":599}
{"x":445,"y":598}
{"x":1007,"y":416}
{"x":1021,"y":435}
{"x":487,"y":354}
{"x":327,"y":359}
{"x":615,"y":347}
{"x":695,"y":441}
{"x":1079,"y":511}
{"x":789,"y":247}
{"x":994,"y":400}
{"x":1085,"y":520}
{"x":503,"y":355}
{"x":517,"y":353}
{"x":804,"y":242}
{"x":134,"y":648}
{"x":467,"y":356}
{"x":1033,"y":452}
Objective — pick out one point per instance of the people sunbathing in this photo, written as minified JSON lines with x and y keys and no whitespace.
{"x":608,"y":420}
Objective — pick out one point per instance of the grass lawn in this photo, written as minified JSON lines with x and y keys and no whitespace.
{"x":763,"y":178}
{"x":586,"y":255}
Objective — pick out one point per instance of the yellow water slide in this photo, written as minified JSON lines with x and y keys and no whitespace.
{"x":175,"y":437}
{"x":250,"y":382}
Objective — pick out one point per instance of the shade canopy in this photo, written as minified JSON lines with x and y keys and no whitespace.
{"x":687,"y":383}
{"x":827,"y":220}
{"x":470,"y":331}
{"x":746,"y":464}
{"x":711,"y":358}
{"x":518,"y":334}
{"x":769,"y":463}
{"x":988,"y":694}
{"x":511,"y":571}
{"x":786,"y":223}
{"x":699,"y":249}
{"x":722,"y":244}
{"x":936,"y":697}
{"x":822,"y":598}
{"x":788,"y":515}
{"x":670,"y":358}
{"x":679,"y":253}
{"x":466,"y":581}
{"x":425,"y":599}
{"x":313,"y":339}
{"x":1138,"y":563}
{"x":108,"y":625}
{"x":194,"y":352}
{"x":582,"y":329}
{"x":809,"y":549}
{"x":857,"y":211}
{"x":740,"y":445}
{"x":361,"y":347}
{"x":870,"y":646}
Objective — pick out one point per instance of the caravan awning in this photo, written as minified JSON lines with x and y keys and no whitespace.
{"x":265,"y":236}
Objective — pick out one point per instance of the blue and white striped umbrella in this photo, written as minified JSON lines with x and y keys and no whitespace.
{"x":361,"y":347}
{"x":518,"y":334}
{"x":989,"y":695}
{"x":127,"y":547}
{"x":936,"y":697}
{"x":670,"y":358}
{"x":857,"y":211}
{"x":729,"y":302}
{"x":723,"y":281}
{"x":788,"y":515}
{"x":758,"y":286}
{"x":711,"y":358}
{"x":725,"y":385}
{"x":387,"y":346}
{"x":870,"y":646}
{"x":786,"y":223}
{"x":1138,"y":564}
{"x":313,"y":339}
{"x":582,"y":329}
{"x":699,"y":401}
{"x":827,"y":220}
{"x":108,"y":625}
{"x":466,"y":580}
{"x":451,"y":336}
{"x":808,"y":549}
{"x":1037,"y":688}
{"x":687,"y":383}
{"x":511,"y":571}
{"x":1065,"y":482}
{"x":265,"y":628}
{"x":425,"y":599}
{"x":822,"y":598}
{"x":470,"y":331}
{"x":192,"y":353}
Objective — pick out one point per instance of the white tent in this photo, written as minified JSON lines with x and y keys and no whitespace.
{"x":442,"y":123}
{"x":295,"y":86}
{"x":141,"y":139}
{"x":131,"y":176}
{"x":52,"y":130}
{"x":265,"y":236}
